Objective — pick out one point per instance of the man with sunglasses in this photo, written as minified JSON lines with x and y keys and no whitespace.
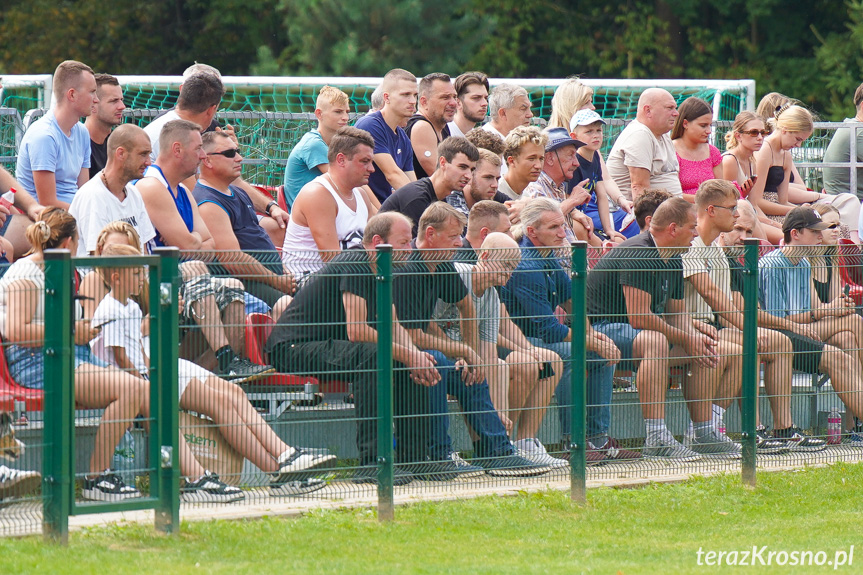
{"x":246,"y":251}
{"x":710,"y":296}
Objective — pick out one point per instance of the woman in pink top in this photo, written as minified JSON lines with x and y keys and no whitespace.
{"x":699,"y":160}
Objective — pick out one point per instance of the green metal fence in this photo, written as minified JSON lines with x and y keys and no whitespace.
{"x":319,"y":407}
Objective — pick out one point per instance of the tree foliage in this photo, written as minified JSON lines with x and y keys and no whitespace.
{"x":809,"y":49}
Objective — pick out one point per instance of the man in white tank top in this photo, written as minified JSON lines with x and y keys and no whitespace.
{"x":330,"y":212}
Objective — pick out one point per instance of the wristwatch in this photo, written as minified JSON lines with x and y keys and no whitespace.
{"x":270,"y":206}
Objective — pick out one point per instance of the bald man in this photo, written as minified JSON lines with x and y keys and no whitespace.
{"x":109,"y":195}
{"x":521,"y":386}
{"x":643,"y":155}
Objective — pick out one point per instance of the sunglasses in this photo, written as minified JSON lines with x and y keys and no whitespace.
{"x":755,"y":133}
{"x":229,"y":153}
{"x":732,"y":209}
{"x":833,"y":226}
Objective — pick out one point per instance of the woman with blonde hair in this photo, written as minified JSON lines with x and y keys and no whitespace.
{"x":745,"y":138}
{"x":570,"y":97}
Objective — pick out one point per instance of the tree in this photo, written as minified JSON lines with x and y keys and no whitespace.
{"x":370,"y":37}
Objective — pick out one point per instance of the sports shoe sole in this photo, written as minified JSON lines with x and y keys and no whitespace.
{"x":793,"y":448}
{"x":299,"y":474}
{"x":519,"y":471}
{"x":96,"y":495}
{"x":297,"y":488}
{"x":247,"y":378}
{"x":202,"y":496}
{"x":26,"y":485}
{"x":660,"y":453}
{"x":373,"y":480}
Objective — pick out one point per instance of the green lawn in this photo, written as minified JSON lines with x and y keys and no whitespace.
{"x":656,"y":529}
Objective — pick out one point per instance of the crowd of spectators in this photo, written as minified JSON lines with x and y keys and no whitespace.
{"x":480,"y":215}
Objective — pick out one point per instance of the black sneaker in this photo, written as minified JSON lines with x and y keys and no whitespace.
{"x":766,"y":445}
{"x":210,"y":489}
{"x":796,"y":440}
{"x":296,"y":488}
{"x":445,"y":470}
{"x":369,"y":474}
{"x":108,"y":487}
{"x":241,"y":370}
{"x":512,"y":466}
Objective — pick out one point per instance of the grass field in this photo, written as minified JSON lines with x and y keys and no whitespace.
{"x":655,"y":529}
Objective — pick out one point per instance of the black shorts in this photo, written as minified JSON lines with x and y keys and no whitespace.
{"x":807,"y":352}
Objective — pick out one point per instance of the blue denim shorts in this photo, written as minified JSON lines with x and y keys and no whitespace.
{"x":27,"y":364}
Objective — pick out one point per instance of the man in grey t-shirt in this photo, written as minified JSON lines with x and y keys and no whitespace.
{"x":838,"y":180}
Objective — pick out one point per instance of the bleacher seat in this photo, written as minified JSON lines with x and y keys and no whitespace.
{"x":32,"y":398}
{"x":269,"y":394}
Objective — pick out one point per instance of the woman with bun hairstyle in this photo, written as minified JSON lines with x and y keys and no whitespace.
{"x":22,"y":324}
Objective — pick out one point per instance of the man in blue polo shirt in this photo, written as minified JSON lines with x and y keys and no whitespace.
{"x":538,"y":286}
{"x":54,"y":156}
{"x":394,"y":164}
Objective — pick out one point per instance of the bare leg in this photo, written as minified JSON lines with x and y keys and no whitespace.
{"x":652,"y":375}
{"x":845,"y":377}
{"x":280,"y":307}
{"x":209,"y":401}
{"x":122,"y":395}
{"x":532,"y":395}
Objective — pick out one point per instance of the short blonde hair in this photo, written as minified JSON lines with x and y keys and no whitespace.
{"x":67,"y":76}
{"x":792,"y":118}
{"x":332,"y":96}
{"x":521,"y":135}
{"x":118,"y":227}
{"x":115,"y":250}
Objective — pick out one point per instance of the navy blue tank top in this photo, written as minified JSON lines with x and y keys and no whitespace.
{"x":244,"y":223}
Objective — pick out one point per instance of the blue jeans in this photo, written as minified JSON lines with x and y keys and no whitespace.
{"x":600,"y":382}
{"x":475,"y":402}
{"x":27,"y":364}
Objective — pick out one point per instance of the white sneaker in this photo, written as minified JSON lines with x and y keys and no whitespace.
{"x":295,"y":461}
{"x":297,"y":488}
{"x":16,"y":483}
{"x":665,"y":446}
{"x":533,"y":450}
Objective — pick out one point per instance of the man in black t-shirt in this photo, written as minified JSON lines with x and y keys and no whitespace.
{"x":428,"y":127}
{"x":329,"y":328}
{"x":431,"y":276}
{"x":457,"y":163}
{"x":635,"y":297}
{"x":107,"y":114}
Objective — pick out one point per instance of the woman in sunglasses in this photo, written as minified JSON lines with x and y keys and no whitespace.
{"x":796,"y":191}
{"x":742,"y":141}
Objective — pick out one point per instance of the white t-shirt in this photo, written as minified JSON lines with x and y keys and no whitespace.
{"x":487,"y":308}
{"x":23,"y":269}
{"x":638,"y":147}
{"x":121,"y":327}
{"x":154,"y":128}
{"x":700,"y":259}
{"x":95,"y":206}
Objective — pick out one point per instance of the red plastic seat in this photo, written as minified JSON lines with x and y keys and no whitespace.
{"x":259,"y":326}
{"x":32,"y":398}
{"x":850,"y":260}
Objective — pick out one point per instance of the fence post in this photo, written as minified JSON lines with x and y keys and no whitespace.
{"x":750,"y":359}
{"x":59,"y":431}
{"x":384,"y":277}
{"x":164,"y":401}
{"x":578,"y":407}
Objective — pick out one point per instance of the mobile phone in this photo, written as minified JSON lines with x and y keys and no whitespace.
{"x":846,"y":290}
{"x":753,"y":177}
{"x":546,"y":370}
